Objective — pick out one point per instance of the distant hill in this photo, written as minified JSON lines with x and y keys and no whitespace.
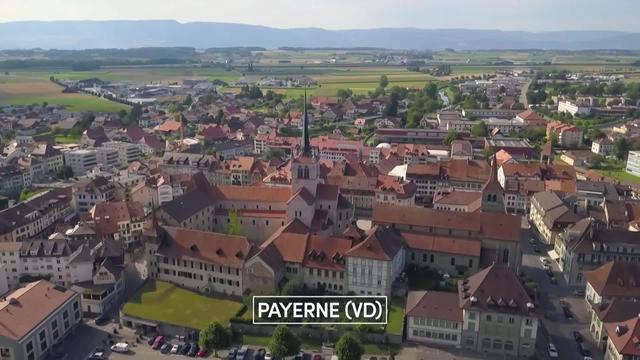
{"x":168,"y":33}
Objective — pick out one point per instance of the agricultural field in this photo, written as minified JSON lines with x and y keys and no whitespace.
{"x":17,"y":90}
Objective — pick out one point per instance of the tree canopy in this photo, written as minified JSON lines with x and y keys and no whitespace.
{"x":348,"y":348}
{"x":384,"y":81}
{"x":283,"y":342}
{"x":215,"y":336}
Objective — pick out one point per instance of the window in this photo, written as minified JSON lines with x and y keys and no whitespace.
{"x":486,"y":343}
{"x":488,"y":318}
{"x":508,"y":345}
{"x":497,"y":344}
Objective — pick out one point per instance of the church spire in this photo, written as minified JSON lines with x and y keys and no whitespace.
{"x":306,"y":145}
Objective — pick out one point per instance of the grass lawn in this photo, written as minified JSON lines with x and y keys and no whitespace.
{"x":621,"y":175}
{"x":67,"y":139}
{"x":28,"y":194}
{"x":395,"y":320}
{"x":161,"y":301}
{"x":313,"y":345}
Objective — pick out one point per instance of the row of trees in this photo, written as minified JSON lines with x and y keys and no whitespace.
{"x":283,"y":342}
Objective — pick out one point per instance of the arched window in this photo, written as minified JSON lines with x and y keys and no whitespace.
{"x":505,"y":256}
{"x":299,"y":173}
{"x":495,"y":198}
{"x":489,"y":197}
{"x":306,"y":172}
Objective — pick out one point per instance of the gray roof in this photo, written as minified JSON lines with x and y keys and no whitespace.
{"x":186,"y":205}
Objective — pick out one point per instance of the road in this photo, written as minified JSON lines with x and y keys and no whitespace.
{"x":555,"y":327}
{"x":523,"y":93}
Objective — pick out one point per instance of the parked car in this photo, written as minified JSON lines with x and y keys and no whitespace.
{"x":577,"y":336}
{"x":175,"y":349}
{"x":96,"y":356}
{"x":232,"y":353}
{"x":578,"y":292}
{"x":151,"y":340}
{"x":532,"y":241}
{"x":166,"y":348}
{"x":201,"y":353}
{"x":536,"y":248}
{"x":259,"y":354}
{"x":299,"y":356}
{"x":185,"y":348}
{"x":194,"y":350}
{"x":120,"y":348}
{"x":102,"y":320}
{"x":268,"y":356}
{"x":567,"y":313}
{"x":242,"y":352}
{"x":158,"y":342}
{"x":553,"y":352}
{"x":544,"y":260}
{"x":582,"y":349}
{"x":317,"y":357}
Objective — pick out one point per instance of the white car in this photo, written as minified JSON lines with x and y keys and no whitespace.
{"x":120,"y":348}
{"x":553,"y":352}
{"x":174,"y":349}
{"x":532,"y":241}
{"x":268,"y":356}
{"x":544,"y":260}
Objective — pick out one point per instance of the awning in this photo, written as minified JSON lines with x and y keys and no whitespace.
{"x":553,"y":255}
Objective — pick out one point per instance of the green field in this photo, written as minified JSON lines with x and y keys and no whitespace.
{"x":26,"y":90}
{"x":67,"y":139}
{"x":395,"y":321}
{"x":164,"y":302}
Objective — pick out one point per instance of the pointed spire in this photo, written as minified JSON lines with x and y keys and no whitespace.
{"x":306,"y":145}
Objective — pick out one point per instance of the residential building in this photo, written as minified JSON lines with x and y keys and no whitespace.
{"x":616,"y":311}
{"x":81,"y":161}
{"x":569,"y":136}
{"x":633,"y":163}
{"x":614,"y":280}
{"x":120,"y":220}
{"x":89,"y":192}
{"x":434,"y":317}
{"x":498,"y":316}
{"x":36,"y":317}
{"x":127,"y":152}
{"x":550,"y":216}
{"x":204,"y":261}
{"x":573,"y":107}
{"x":13,"y":179}
{"x":604,"y":147}
{"x":395,"y":191}
{"x":623,"y":339}
{"x":103,"y":292}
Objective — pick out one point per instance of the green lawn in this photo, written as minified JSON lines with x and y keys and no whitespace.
{"x":395,"y":320}
{"x":621,"y":175}
{"x":164,"y":302}
{"x":67,"y":139}
{"x":312,"y":345}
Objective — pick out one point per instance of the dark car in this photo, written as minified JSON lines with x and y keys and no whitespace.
{"x":166,"y":347}
{"x":259,"y":354}
{"x":577,"y":336}
{"x":553,"y":280}
{"x":185,"y":349}
{"x":567,"y":313}
{"x":549,"y":272}
{"x":232,"y":353}
{"x":151,"y":340}
{"x":194,"y":350}
{"x":536,"y":248}
{"x":582,"y":349}
{"x":299,"y":356}
{"x":102,"y":320}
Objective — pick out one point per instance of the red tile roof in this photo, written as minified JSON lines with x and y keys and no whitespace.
{"x":625,"y":336}
{"x":615,"y":279}
{"x":381,"y":244}
{"x":216,"y":248}
{"x":433,"y":305}
{"x":441,"y":244}
{"x":495,"y":288}
{"x":252,"y":193}
{"x":33,"y":304}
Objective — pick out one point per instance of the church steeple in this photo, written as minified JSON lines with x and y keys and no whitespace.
{"x":306,"y":144}
{"x":492,"y":192}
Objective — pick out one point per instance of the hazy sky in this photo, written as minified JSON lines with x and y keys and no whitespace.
{"x":529,"y":15}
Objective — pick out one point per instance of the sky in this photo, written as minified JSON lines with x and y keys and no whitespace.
{"x":525,"y":15}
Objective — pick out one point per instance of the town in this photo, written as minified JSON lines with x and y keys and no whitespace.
{"x":494,"y":204}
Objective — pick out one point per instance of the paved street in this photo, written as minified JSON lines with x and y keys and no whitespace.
{"x":556,"y":327}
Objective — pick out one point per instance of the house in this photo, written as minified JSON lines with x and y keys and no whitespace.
{"x":623,"y":339}
{"x":550,"y":215}
{"x":615,"y":280}
{"x":531,"y":118}
{"x":616,"y":311}
{"x":104,"y":291}
{"x":36,"y":317}
{"x":604,"y":147}
{"x":119,"y":220}
{"x":434,"y":317}
{"x":360,"y":123}
{"x":569,"y":136}
{"x":498,"y":316}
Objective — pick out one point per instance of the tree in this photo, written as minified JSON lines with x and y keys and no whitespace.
{"x":214,"y":336}
{"x":122,"y":113}
{"x":234,"y":227}
{"x":219,"y":117}
{"x":487,"y":152}
{"x":622,"y":147}
{"x":292,"y":288}
{"x":348,"y":348}
{"x":469,"y":103}
{"x":595,"y":161}
{"x":273,"y":153}
{"x":452,"y":135}
{"x":344,"y":94}
{"x":391,"y":107}
{"x":480,"y":129}
{"x":283,"y":342}
{"x":187,"y":100}
{"x":134,"y":114}
{"x":384,"y":81}
{"x":431,"y":90}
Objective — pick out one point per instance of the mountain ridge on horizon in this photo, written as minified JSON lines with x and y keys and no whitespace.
{"x":85,"y":34}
